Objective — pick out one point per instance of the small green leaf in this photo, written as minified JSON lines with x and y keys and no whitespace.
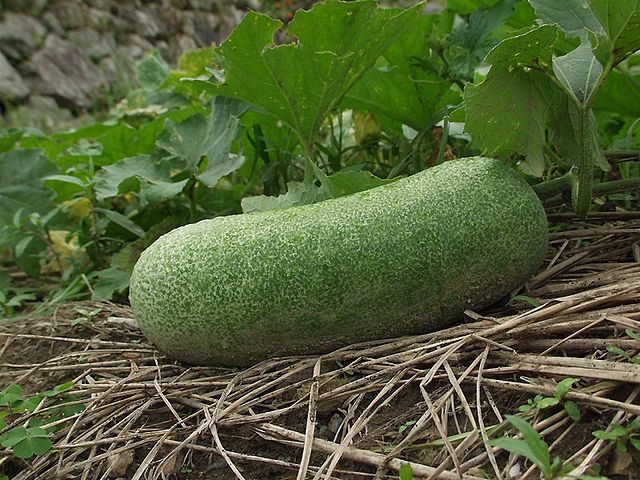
{"x":572,"y":410}
{"x":110,"y":281}
{"x":524,"y":298}
{"x":633,"y":334}
{"x":547,"y":402}
{"x":616,"y":350}
{"x":635,"y":443}
{"x":578,"y":71}
{"x":122,"y":220}
{"x":10,"y":395}
{"x":564,"y":386}
{"x":152,"y":70}
{"x":58,"y":389}
{"x":538,"y":448}
{"x":406,"y":472}
{"x":198,"y":137}
{"x":37,"y":442}
{"x":13,"y":436}
{"x":299,"y":193}
{"x":616,"y":432}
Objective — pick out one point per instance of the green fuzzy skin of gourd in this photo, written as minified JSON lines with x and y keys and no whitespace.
{"x":404,"y":258}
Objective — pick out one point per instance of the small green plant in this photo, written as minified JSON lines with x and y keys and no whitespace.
{"x":615,"y":350}
{"x":14,"y":298}
{"x":406,"y":472}
{"x":541,"y":403}
{"x":406,"y":425}
{"x":85,"y":316}
{"x":532,"y":447}
{"x":622,"y":435}
{"x":35,"y":437}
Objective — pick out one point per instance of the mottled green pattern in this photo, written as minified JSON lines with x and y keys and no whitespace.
{"x":400,"y":259}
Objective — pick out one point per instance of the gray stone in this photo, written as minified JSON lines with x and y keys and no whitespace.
{"x":182,"y":43}
{"x":205,"y":5}
{"x":93,"y":44}
{"x":32,"y":7}
{"x":147,"y":25}
{"x":12,"y":86}
{"x":202,"y":28}
{"x":104,"y":5}
{"x":70,"y":13}
{"x":20,"y":35}
{"x":65,"y":74}
{"x":137,"y":46}
{"x":106,"y":22}
{"x":52,"y":23}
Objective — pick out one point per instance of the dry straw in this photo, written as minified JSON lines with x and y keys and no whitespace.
{"x":361,"y":412}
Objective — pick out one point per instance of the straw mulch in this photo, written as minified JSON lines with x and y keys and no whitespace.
{"x":360,"y":412}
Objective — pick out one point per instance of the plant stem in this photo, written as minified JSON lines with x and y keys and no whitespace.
{"x":557,"y":185}
{"x":550,"y":188}
{"x":582,"y":200}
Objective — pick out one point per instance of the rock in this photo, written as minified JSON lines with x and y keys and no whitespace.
{"x":93,"y":44}
{"x":12,"y":86}
{"x":146,"y":25}
{"x":202,"y":28}
{"x":32,"y":7}
{"x":20,"y":35}
{"x":181,"y":44}
{"x":65,"y":74}
{"x":137,"y":46}
{"x":205,"y":5}
{"x":70,"y":14}
{"x":52,"y":23}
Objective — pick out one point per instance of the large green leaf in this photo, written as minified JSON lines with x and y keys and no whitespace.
{"x":299,"y":193}
{"x":470,"y":41}
{"x":573,"y":16}
{"x":400,"y":87}
{"x":22,"y":174}
{"x":621,"y":21}
{"x":199,"y":137}
{"x":522,"y":101}
{"x":615,"y":96}
{"x":152,"y":70}
{"x":579,"y":71}
{"x":148,"y":171}
{"x":300,"y":82}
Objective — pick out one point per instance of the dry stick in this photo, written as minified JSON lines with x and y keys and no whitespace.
{"x":548,"y":390}
{"x":442,"y":430}
{"x":593,"y":232}
{"x":362,"y":456}
{"x":557,"y":255}
{"x":572,"y":366}
{"x":569,"y":337}
{"x":311,"y":421}
{"x":92,"y":406}
{"x":214,"y":431}
{"x":370,"y":410}
{"x":92,"y":454}
{"x":417,"y":427}
{"x":252,"y":458}
{"x":443,"y":435}
{"x":483,"y":431}
{"x":168,"y":404}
